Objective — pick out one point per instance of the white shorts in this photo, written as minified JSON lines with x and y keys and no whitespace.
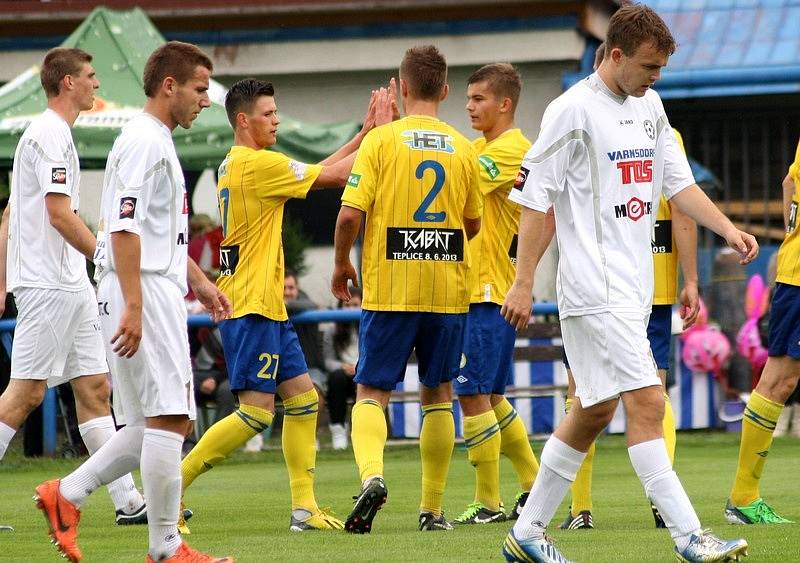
{"x":157,"y":380}
{"x":58,"y":335}
{"x":609,"y":354}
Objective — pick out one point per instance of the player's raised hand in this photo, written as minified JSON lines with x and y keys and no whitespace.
{"x":129,"y":333}
{"x":517,"y":307}
{"x":216,"y":303}
{"x":383,"y":108}
{"x":369,"y":118}
{"x":393,"y":98}
{"x":690,"y":304}
{"x":743,"y":243}
{"x":342,"y":274}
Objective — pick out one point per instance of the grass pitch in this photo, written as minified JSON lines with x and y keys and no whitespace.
{"x":242,"y":509}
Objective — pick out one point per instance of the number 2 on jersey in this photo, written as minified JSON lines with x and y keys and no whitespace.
{"x":422,"y":215}
{"x":224,"y":202}
{"x":267,"y":358}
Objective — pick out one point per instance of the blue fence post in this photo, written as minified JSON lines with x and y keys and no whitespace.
{"x":49,"y":422}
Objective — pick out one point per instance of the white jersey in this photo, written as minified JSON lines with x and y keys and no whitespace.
{"x":45,"y":162}
{"x":144,"y":193}
{"x":602,"y":161}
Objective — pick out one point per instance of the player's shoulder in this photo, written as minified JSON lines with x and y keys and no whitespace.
{"x":48,"y":130}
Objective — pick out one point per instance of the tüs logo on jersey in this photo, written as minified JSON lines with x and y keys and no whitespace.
{"x":228,"y":259}
{"x":512,"y":250}
{"x":443,"y":245}
{"x":353,"y":180}
{"x":421,"y":140}
{"x":58,"y":176}
{"x":127,"y":207}
{"x":298,"y":169}
{"x":634,"y":210}
{"x":489,"y":166}
{"x":522,"y":177}
{"x":792,"y":224}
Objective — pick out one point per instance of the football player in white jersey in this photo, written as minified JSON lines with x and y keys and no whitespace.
{"x":604,"y":154}
{"x":142,"y":269}
{"x":46,"y":245}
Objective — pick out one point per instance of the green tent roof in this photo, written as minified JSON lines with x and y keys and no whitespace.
{"x":121,"y":42}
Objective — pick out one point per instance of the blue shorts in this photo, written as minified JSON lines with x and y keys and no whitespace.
{"x":386,"y":339}
{"x":488,"y":352}
{"x":784,"y":321}
{"x":659,"y":333}
{"x":260,"y":353}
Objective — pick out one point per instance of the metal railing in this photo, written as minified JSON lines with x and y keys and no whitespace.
{"x":50,"y":403}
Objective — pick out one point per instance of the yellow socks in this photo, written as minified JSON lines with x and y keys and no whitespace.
{"x":515,"y":445}
{"x":299,"y":441}
{"x":760,"y":417}
{"x":669,"y":428}
{"x":482,"y":439}
{"x":222,"y":438}
{"x":581,"y":488}
{"x":436,"y":441}
{"x":369,"y":437}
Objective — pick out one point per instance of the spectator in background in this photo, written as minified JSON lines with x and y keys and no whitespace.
{"x":204,"y":240}
{"x":340,"y":349}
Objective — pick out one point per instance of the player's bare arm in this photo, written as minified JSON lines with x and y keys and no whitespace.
{"x":517,"y":306}
{"x":684,"y":230}
{"x":69,"y":224}
{"x":348,"y":225}
{"x":699,"y":207}
{"x":127,"y":261}
{"x":336,"y":168}
{"x":788,"y":192}
{"x":216,"y":303}
{"x":3,"y":255}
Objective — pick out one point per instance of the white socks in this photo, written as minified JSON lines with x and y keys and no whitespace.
{"x":117,"y":456}
{"x":161,"y":477}
{"x":559,"y":463}
{"x":664,"y":489}
{"x":6,"y":434}
{"x":124,"y":495}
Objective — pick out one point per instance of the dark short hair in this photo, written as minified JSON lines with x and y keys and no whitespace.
{"x":503,"y":80}
{"x":636,"y":24}
{"x":243,"y":95}
{"x":289,"y":273}
{"x":57,"y":64}
{"x":176,"y":59}
{"x":424,"y":70}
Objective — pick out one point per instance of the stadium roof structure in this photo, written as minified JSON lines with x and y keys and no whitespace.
{"x":725,"y":48}
{"x":731,"y":47}
{"x":121,"y":42}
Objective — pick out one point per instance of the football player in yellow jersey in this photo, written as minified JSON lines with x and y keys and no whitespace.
{"x":780,"y":375}
{"x":261,"y":347}
{"x":416,"y":182}
{"x":490,"y":422}
{"x":674,"y":240}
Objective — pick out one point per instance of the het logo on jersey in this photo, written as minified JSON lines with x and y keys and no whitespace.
{"x":422,"y":140}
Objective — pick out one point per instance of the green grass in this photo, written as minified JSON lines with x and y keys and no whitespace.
{"x":242,"y":509}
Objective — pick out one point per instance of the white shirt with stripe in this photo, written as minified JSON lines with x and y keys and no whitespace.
{"x":602,"y":160}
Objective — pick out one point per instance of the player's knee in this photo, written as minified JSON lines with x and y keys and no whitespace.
{"x":31,"y":398}
{"x":93,"y":393}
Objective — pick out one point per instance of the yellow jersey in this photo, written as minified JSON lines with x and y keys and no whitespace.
{"x":494,"y":248}
{"x":253,"y":187}
{"x":416,"y":179}
{"x":665,"y":251}
{"x":789,"y":252}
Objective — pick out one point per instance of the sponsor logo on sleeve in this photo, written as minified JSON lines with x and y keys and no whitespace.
{"x":409,"y":243}
{"x":489,"y":166}
{"x":127,"y":207}
{"x":228,"y":260}
{"x":353,"y":180}
{"x":512,"y":250}
{"x":58,"y":176}
{"x":792,"y":224}
{"x":298,"y":169}
{"x":522,"y":177}
{"x":662,"y":237}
